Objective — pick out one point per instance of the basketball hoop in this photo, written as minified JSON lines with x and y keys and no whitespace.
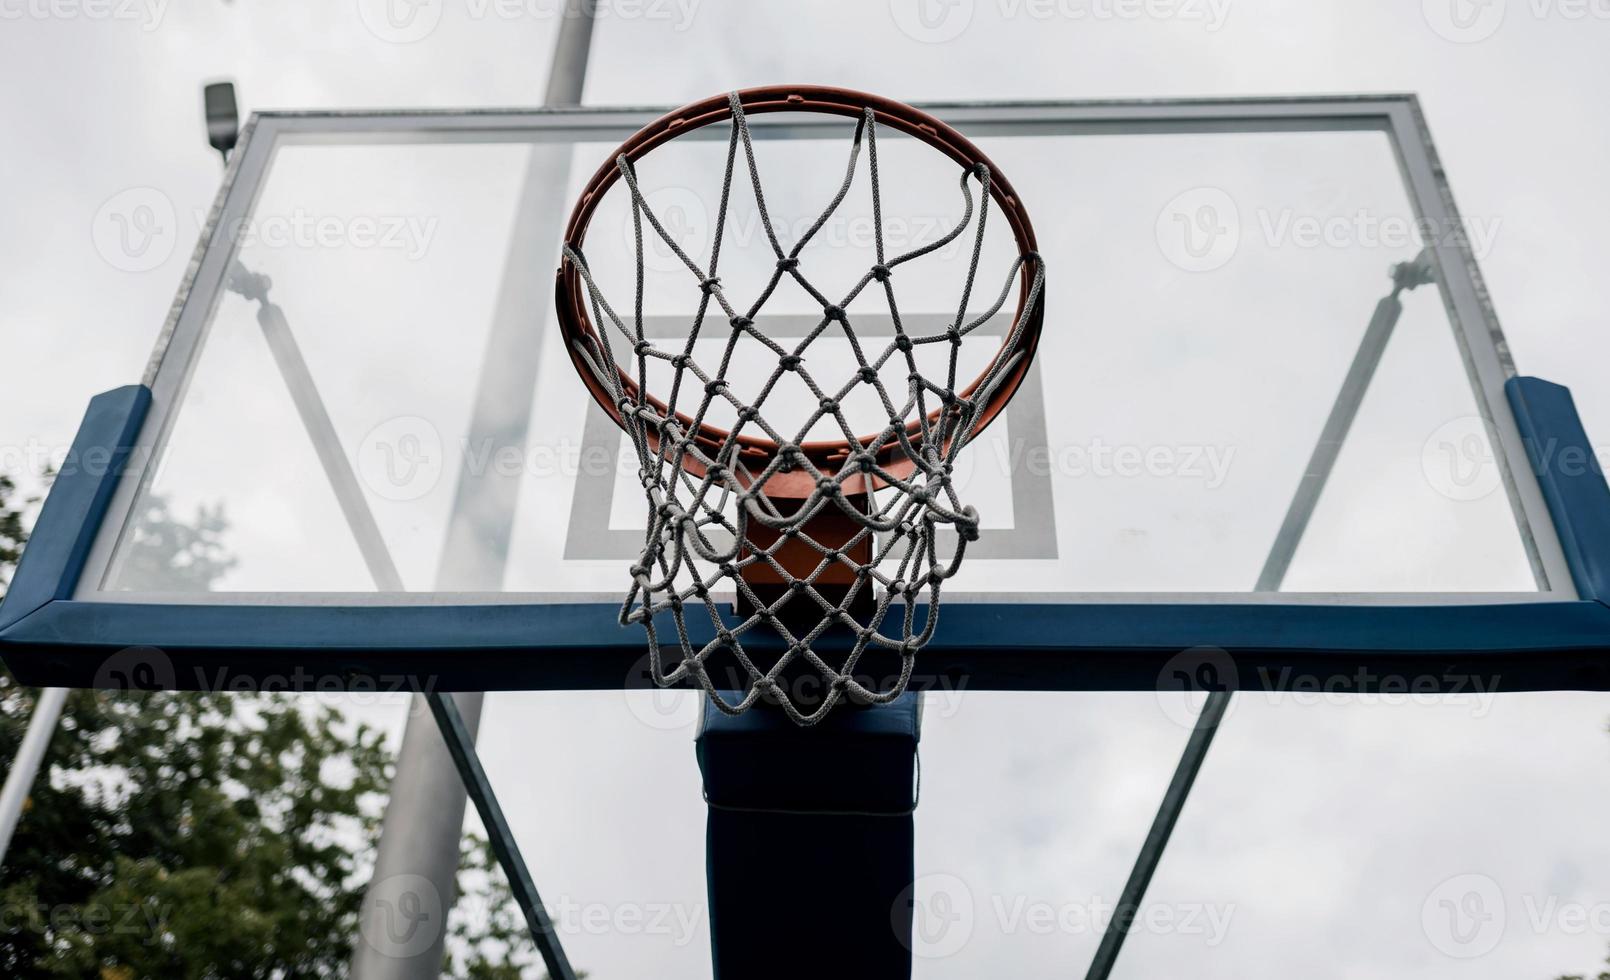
{"x":824,"y":535}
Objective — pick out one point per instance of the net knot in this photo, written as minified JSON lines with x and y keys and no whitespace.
{"x":790,"y":362}
{"x":881,"y":272}
{"x":741,"y":323}
{"x":715,"y":387}
{"x":830,"y":406}
{"x":789,"y":264}
{"x":868,"y":374}
{"x":835,"y":313}
{"x":642,"y":348}
{"x":967,"y":527}
{"x":903,"y":343}
{"x":710,"y":285}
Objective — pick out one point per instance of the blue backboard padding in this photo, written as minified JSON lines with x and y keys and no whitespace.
{"x":72,"y":514}
{"x":852,"y":761}
{"x":1570,"y":476}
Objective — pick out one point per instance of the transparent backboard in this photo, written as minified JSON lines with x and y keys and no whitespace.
{"x":395,"y":398}
{"x":392,"y":418}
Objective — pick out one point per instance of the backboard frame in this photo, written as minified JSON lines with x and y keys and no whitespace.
{"x":56,"y":626}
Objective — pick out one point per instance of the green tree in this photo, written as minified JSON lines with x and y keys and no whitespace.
{"x":170,"y":555}
{"x":12,"y":534}
{"x":203,"y":835}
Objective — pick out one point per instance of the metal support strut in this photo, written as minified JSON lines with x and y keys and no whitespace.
{"x":1405,"y":276}
{"x":461,"y":745}
{"x":377,"y":557}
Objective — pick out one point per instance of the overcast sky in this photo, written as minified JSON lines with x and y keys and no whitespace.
{"x":1329,"y":837}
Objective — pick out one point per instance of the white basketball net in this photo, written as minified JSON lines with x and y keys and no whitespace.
{"x":693,"y":550}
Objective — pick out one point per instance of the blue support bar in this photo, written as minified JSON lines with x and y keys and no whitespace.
{"x":1544,"y":645}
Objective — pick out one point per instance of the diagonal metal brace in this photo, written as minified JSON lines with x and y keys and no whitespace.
{"x":461,"y":746}
{"x":1405,"y":276}
{"x":377,"y":557}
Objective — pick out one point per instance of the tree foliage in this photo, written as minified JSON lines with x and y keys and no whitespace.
{"x":204,"y":835}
